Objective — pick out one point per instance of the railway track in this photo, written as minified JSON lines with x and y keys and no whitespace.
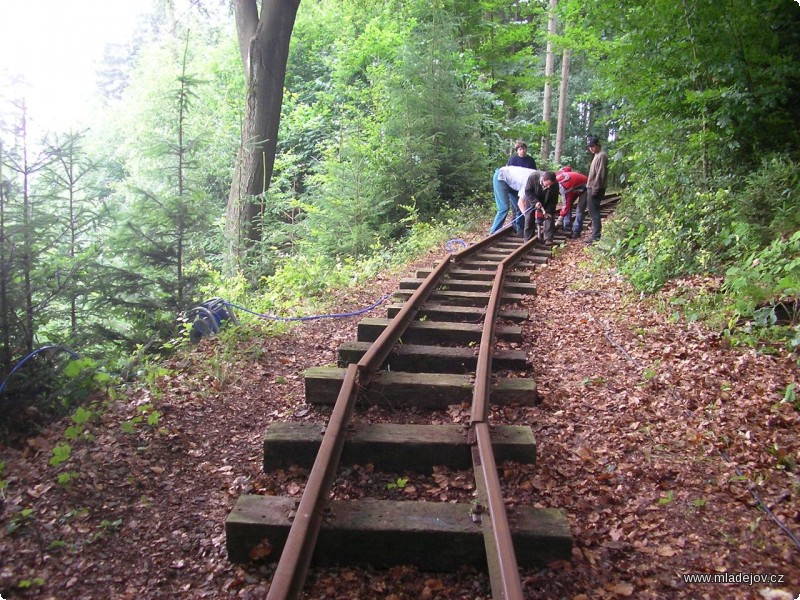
{"x":448,"y":334}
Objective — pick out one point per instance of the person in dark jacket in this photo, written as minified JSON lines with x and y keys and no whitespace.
{"x":521,"y":158}
{"x":596,"y":185}
{"x":540,"y":194}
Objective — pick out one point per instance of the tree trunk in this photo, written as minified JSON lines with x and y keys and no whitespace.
{"x":27,"y":237}
{"x":562,"y":107}
{"x":264,"y":46}
{"x":5,"y":326}
{"x":548,"y":85}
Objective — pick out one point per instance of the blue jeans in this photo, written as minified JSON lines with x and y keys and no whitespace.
{"x":580,"y":209}
{"x":506,"y":198}
{"x":566,"y":222}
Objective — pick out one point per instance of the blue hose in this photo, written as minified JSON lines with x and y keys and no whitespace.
{"x":453,"y":246}
{"x":72,"y":354}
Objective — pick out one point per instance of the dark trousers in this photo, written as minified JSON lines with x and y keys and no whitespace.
{"x":530,"y":226}
{"x":595,"y":196}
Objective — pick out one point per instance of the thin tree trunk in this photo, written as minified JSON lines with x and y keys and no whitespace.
{"x":5,"y":328}
{"x":561,"y":127}
{"x":27,"y":241}
{"x":548,"y":85}
{"x":700,"y":88}
{"x":264,"y":46}
{"x":73,"y":234}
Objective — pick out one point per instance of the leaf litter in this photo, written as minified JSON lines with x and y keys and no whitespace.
{"x":653,"y":437}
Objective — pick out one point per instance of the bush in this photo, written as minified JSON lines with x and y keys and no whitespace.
{"x":666,"y":227}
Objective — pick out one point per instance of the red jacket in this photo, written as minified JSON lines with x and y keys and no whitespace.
{"x":571,"y":185}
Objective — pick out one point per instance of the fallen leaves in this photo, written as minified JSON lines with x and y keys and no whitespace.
{"x":611,"y":444}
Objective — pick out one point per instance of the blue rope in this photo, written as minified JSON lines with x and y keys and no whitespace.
{"x":452,"y":246}
{"x":312,"y":317}
{"x":74,"y":355}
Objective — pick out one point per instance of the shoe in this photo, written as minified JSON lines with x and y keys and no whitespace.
{"x":548,"y":242}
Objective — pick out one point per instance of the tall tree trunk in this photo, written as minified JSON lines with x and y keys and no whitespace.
{"x":5,"y":326}
{"x":27,"y":236}
{"x":264,"y":47}
{"x":548,"y":85}
{"x":561,"y":127}
{"x":700,"y":88}
{"x":69,"y":165}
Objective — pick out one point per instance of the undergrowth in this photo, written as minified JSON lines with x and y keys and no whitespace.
{"x":727,"y":255}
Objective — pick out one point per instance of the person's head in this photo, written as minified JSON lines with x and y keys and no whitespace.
{"x":593,"y":144}
{"x":548,"y":179}
{"x":521,"y":148}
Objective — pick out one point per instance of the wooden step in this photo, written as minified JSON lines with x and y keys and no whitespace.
{"x":482,"y":264}
{"x":434,"y":359}
{"x":459,"y":298}
{"x":431,"y":391}
{"x":458,"y":314}
{"x":432,"y":332}
{"x":395,"y":447}
{"x":466,"y":285}
{"x":537,"y":250}
{"x":435,"y":536}
{"x":478,"y":275}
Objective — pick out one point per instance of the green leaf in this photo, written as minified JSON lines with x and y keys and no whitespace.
{"x":61,"y":453}
{"x":82,"y":416}
{"x":153,"y":417}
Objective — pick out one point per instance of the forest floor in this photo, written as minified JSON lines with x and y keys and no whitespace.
{"x":657,"y":440}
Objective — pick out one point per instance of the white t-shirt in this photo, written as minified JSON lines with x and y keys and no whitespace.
{"x":516,"y":178}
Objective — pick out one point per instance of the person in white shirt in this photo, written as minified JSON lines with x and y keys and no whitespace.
{"x":509,"y":185}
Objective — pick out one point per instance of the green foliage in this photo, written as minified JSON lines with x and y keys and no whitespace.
{"x":66,"y":478}
{"x":147,"y":414}
{"x":398,"y":484}
{"x":709,"y":100}
{"x":667,"y":228}
{"x":30,"y":583}
{"x":766,"y":284}
{"x":351,"y":209}
{"x":78,"y":431}
{"x":789,"y":397}
{"x":667,"y":498}
{"x":107,"y":525}
{"x":3,"y":482}
{"x":19,"y":519}
{"x":61,"y":453}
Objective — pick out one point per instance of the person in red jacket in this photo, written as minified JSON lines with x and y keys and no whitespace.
{"x":572,"y":186}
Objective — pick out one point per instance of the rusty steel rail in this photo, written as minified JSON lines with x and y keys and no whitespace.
{"x":290,"y":574}
{"x":500,"y":554}
{"x":483,"y":370}
{"x":382,"y":347}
